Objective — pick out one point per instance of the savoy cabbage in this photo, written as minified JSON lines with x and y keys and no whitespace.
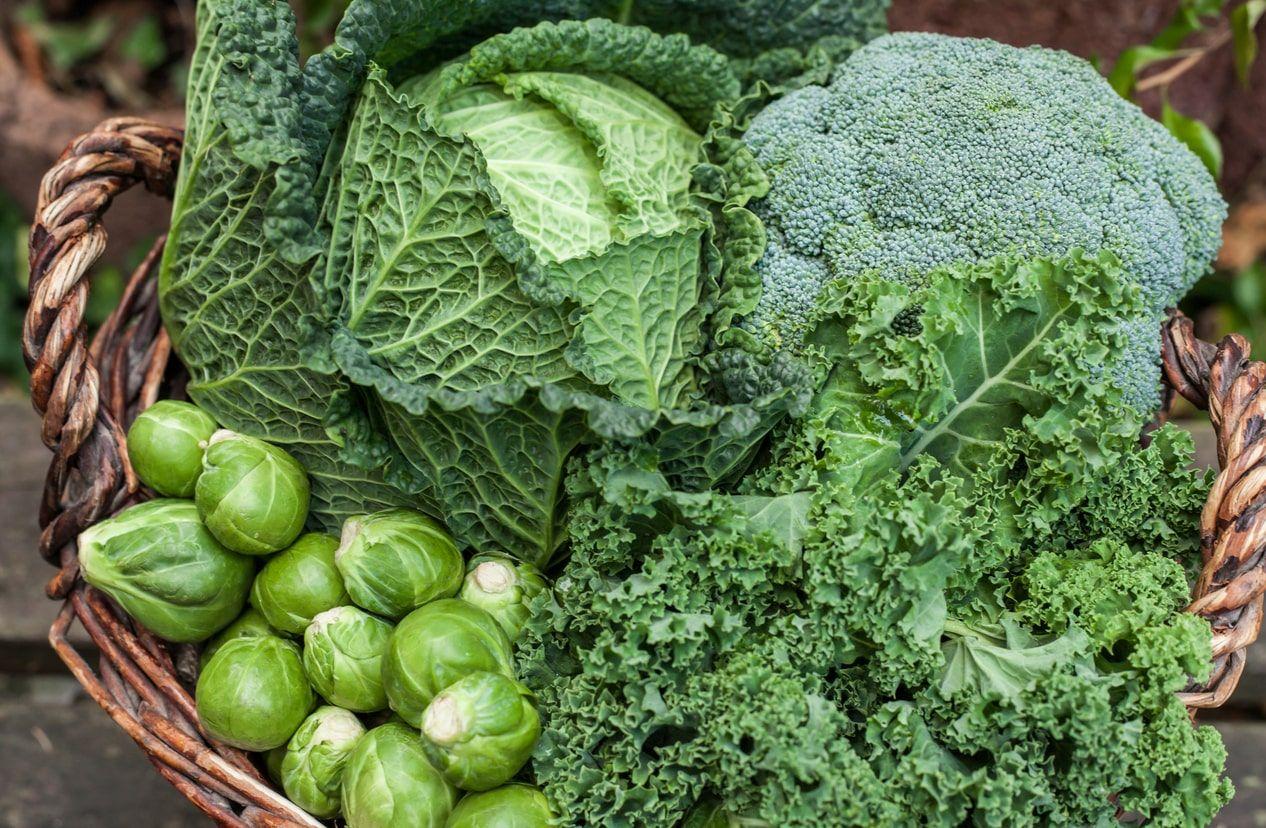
{"x":404,"y":290}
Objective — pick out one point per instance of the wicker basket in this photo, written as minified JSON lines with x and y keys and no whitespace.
{"x":88,"y":393}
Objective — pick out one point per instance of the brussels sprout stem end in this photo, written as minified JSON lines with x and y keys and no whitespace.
{"x":494,"y":577}
{"x":444,"y":723}
{"x":220,"y":435}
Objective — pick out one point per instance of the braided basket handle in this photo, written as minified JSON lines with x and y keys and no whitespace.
{"x":90,"y":476}
{"x":1228,"y":594}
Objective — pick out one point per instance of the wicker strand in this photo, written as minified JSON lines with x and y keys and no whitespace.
{"x":66,"y":239}
{"x":1232,"y":581}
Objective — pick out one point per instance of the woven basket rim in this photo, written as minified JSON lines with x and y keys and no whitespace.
{"x":88,"y":392}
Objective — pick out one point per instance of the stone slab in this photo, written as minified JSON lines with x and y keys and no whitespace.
{"x":25,"y":613}
{"x":1246,"y":764}
{"x":63,"y":762}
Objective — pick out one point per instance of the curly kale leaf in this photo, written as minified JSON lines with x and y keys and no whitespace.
{"x":995,"y":370}
{"x":771,"y":649}
{"x":1151,"y":499}
{"x":877,"y":569}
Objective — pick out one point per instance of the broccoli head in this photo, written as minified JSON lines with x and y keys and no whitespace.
{"x":926,"y":150}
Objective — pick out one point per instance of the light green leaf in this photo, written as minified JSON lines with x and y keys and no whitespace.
{"x":978,"y":666}
{"x":1125,"y":71}
{"x":786,"y":517}
{"x":144,"y":43}
{"x":1243,"y":21}
{"x":546,"y":171}
{"x":647,"y":149}
{"x":1196,"y":135}
{"x":640,"y":321}
{"x":66,"y":45}
{"x":419,"y":282}
{"x":1187,"y":20}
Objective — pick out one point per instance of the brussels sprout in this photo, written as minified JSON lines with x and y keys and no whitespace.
{"x":251,"y":495}
{"x":510,"y":806}
{"x":436,"y":645}
{"x":312,"y":771}
{"x":389,"y":783}
{"x":253,"y":693}
{"x":480,"y":730}
{"x":250,"y":622}
{"x":299,"y":583}
{"x":272,"y":763}
{"x":343,"y":650}
{"x":165,"y":446}
{"x":162,"y":566}
{"x":397,"y":560}
{"x":503,"y":588}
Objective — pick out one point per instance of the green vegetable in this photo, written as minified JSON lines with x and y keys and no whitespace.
{"x":504,"y":588}
{"x":436,"y":645}
{"x":397,"y":560}
{"x":389,"y":783}
{"x":510,"y":806}
{"x":250,"y":622}
{"x":251,"y":495}
{"x":343,"y":649}
{"x":975,"y":651}
{"x":272,"y":763}
{"x":484,"y":326}
{"x":312,"y":770}
{"x":590,"y":270}
{"x":166,"y":570}
{"x":299,"y":583}
{"x":992,"y":369}
{"x":559,"y":284}
{"x":480,"y":730}
{"x":253,"y":693}
{"x":165,"y":446}
{"x":928,"y":150}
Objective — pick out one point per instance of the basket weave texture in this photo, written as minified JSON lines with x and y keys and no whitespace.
{"x":89,"y":392}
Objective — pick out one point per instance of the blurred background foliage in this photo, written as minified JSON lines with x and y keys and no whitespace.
{"x":1187,"y":62}
{"x":115,"y":57}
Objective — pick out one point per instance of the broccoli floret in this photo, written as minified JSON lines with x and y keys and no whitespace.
{"x":927,"y":149}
